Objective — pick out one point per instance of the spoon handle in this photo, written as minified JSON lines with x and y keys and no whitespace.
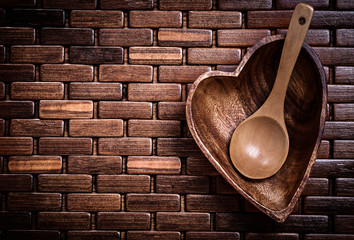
{"x":299,"y":24}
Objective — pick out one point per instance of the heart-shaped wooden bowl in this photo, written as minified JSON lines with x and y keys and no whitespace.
{"x":219,"y":101}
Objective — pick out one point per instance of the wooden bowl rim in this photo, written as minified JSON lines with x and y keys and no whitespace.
{"x":278,"y":215}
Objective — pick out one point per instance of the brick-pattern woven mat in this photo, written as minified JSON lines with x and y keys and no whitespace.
{"x":93,"y":138}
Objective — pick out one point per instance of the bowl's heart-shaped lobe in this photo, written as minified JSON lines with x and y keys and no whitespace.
{"x":219,"y":101}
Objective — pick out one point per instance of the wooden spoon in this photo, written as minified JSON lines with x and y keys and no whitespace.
{"x":260,"y":144}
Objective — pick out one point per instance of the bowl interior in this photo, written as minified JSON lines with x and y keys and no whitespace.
{"x":220,"y":103}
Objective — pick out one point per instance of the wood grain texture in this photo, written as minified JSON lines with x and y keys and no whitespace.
{"x":125,"y":146}
{"x":95,"y":91}
{"x":35,"y":164}
{"x":340,"y":93}
{"x":226,"y":68}
{"x":38,"y":17}
{"x":272,"y":236}
{"x":181,"y":74}
{"x":95,"y":55}
{"x":212,"y":203}
{"x":344,"y":37}
{"x":125,"y":110}
{"x":152,"y":202}
{"x":98,"y":235}
{"x":185,"y":5}
{"x":123,"y":183}
{"x":71,"y":4}
{"x":17,"y":72}
{"x":153,"y":165}
{"x":96,"y":128}
{"x":151,"y":235}
{"x":244,"y":5}
{"x":241,"y":37}
{"x":304,"y":223}
{"x":316,"y":186}
{"x":37,"y":90}
{"x":155,"y":55}
{"x":193,"y":235}
{"x":37,"y":54}
{"x":343,"y":149}
{"x":63,"y":220}
{"x":34,"y":201}
{"x":338,"y":130}
{"x":88,"y":202}
{"x":127,"y":4}
{"x":16,"y":109}
{"x":182,"y":184}
{"x":182,"y":221}
{"x":214,"y":55}
{"x":155,"y":19}
{"x":65,"y":109}
{"x":154,"y":128}
{"x":214,"y":19}
{"x":328,"y":205}
{"x":314,"y":37}
{"x":345,"y":4}
{"x":344,"y":186}
{"x":96,"y":18}
{"x":16,"y":145}
{"x":67,"y":36}
{"x":333,"y":168}
{"x":344,"y":75}
{"x":123,"y":220}
{"x":342,"y":224}
{"x":125,"y":37}
{"x":64,"y":183}
{"x":281,"y":19}
{"x":66,"y":73}
{"x":317,"y":4}
{"x":125,"y":73}
{"x":94,"y":164}
{"x":338,"y":19}
{"x":154,"y":92}
{"x":65,"y":146}
{"x":16,"y":182}
{"x":200,"y":166}
{"x":324,"y":149}
{"x":172,"y":110}
{"x":185,"y":37}
{"x":36,"y":128}
{"x":335,"y":55}
{"x":183,"y":147}
{"x":17,"y":35}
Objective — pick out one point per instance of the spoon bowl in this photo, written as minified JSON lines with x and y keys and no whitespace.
{"x":248,"y":142}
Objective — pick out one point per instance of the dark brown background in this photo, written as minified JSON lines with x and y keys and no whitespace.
{"x":93,"y":136}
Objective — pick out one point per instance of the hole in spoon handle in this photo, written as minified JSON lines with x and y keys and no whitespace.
{"x":302,"y":21}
